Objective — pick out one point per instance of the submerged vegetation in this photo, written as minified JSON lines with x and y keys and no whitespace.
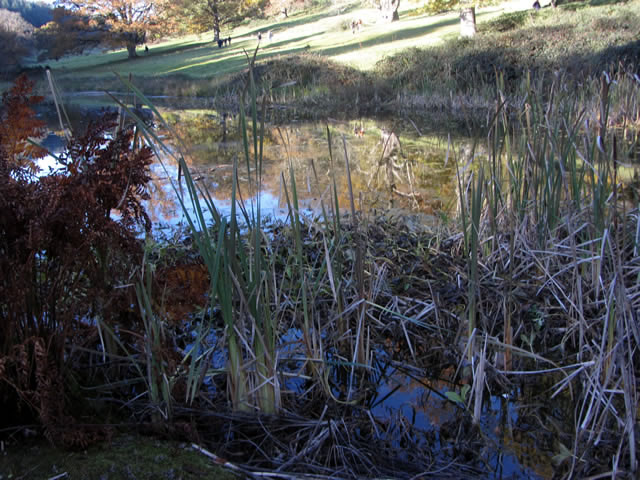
{"x":277,"y":345}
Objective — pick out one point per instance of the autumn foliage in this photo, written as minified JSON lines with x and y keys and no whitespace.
{"x":122,"y":22}
{"x":64,"y":259}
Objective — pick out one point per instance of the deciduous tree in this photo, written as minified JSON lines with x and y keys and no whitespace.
{"x":203,"y":15}
{"x":70,"y":32}
{"x":15,"y":40}
{"x":36,"y":13}
{"x":126,"y":22}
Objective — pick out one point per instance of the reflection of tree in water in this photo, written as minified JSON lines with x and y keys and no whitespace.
{"x":405,"y":173}
{"x":392,"y":164}
{"x":381,"y":162}
{"x":162,"y":205}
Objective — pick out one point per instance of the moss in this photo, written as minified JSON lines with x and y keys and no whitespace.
{"x":127,"y":457}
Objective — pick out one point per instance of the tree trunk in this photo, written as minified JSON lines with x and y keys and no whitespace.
{"x":215,"y":13}
{"x":468,"y":22}
{"x":389,"y":10}
{"x":131,"y":49}
{"x":216,"y":27}
{"x":132,"y":39}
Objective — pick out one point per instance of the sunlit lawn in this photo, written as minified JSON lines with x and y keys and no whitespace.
{"x":327,"y":33}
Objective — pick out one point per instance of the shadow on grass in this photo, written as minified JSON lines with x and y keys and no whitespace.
{"x":235,"y":60}
{"x":613,"y":57}
{"x":154,"y":52}
{"x":389,"y":37}
{"x":287,"y":23}
{"x":542,"y":50}
{"x":578,"y":5}
{"x":267,"y":45}
{"x":175,"y":48}
{"x":237,"y":63}
{"x":199,"y":60}
{"x":209,"y":66}
{"x":203,"y":58}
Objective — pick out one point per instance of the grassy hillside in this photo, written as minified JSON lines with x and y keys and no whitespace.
{"x":326,"y":33}
{"x":579,"y":38}
{"x":327,"y":66}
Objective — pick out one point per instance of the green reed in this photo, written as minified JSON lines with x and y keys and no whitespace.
{"x":238,"y":270}
{"x":159,"y":379}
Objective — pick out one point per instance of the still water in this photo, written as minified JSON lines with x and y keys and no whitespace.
{"x":393,"y":164}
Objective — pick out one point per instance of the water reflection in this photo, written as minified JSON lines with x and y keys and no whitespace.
{"x":390,"y":169}
{"x":392,"y":166}
{"x":513,"y":447}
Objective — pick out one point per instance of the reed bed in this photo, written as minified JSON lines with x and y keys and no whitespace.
{"x":545,"y":214}
{"x":539,"y":281}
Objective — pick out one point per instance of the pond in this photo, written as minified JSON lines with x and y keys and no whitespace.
{"x":395,"y":164}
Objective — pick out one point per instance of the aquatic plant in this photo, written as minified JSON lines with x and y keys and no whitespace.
{"x":539,"y":281}
{"x":553,"y":223}
{"x":543,"y":272}
{"x":239,"y":274}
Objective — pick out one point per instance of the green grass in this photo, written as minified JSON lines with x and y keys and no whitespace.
{"x":328,"y":69}
{"x":334,"y":68}
{"x":582,"y":42}
{"x":326,"y":33}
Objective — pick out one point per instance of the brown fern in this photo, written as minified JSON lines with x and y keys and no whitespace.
{"x":62,"y":254}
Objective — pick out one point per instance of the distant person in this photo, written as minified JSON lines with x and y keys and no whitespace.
{"x":259,"y":36}
{"x":146,"y":49}
{"x":536,"y":5}
{"x":219,"y":43}
{"x":229,"y":40}
{"x":270,"y":35}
